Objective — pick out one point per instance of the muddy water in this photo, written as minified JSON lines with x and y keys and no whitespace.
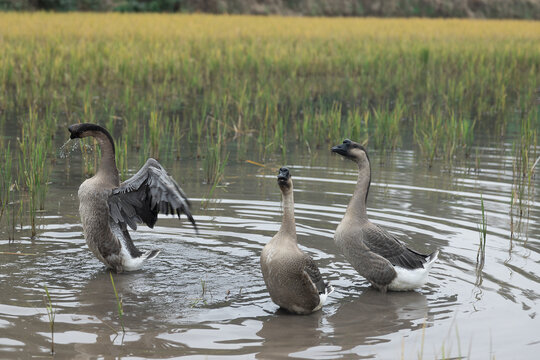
{"x":204,"y":296}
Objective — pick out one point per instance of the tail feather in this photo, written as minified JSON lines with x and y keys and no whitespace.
{"x":431,"y":259}
{"x":150,"y":254}
{"x":322,"y":296}
{"x":329,"y":289}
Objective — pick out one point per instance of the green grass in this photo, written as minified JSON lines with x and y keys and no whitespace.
{"x":6,"y":181}
{"x":202,"y":298}
{"x":119,"y":305}
{"x":482,"y":230}
{"x":35,"y":145}
{"x":525,"y":159}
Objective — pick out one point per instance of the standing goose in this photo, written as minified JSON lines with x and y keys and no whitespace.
{"x":108,"y":207}
{"x":376,"y":254}
{"x":291,"y":276}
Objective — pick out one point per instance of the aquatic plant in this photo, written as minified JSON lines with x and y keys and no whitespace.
{"x":121,"y":156}
{"x":524,"y":149}
{"x":428,"y":135}
{"x":443,"y":134}
{"x":387,"y":131}
{"x":6,"y":180}
{"x":34,"y":145}
{"x":8,"y":185}
{"x":357,"y":125}
{"x":202,"y":297}
{"x":157,"y":128}
{"x":51,"y":314}
{"x":482,"y":230}
{"x":119,"y":306}
{"x":215,"y":160}
{"x":446,"y":348}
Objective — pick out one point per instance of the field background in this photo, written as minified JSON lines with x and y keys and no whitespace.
{"x":260,"y":85}
{"x":521,"y":9}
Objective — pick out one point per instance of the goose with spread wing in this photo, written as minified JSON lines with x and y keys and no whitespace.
{"x":107,"y":207}
{"x":291,"y":276}
{"x":375,"y":253}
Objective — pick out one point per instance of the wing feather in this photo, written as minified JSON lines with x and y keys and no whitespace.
{"x":314,"y":274}
{"x":382,"y":243}
{"x":149,"y":192}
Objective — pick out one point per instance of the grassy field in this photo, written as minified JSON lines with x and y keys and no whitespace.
{"x":434,"y":85}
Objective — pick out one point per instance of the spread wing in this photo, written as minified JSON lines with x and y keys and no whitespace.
{"x":314,"y":274}
{"x":149,"y":192}
{"x":382,"y":243}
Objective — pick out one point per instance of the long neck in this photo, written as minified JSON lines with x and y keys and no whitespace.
{"x":288,"y":226}
{"x":357,"y":205}
{"x":107,"y":167}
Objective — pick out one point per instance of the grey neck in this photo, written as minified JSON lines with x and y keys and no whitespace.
{"x":107,"y":170}
{"x":288,"y":226}
{"x":357,"y":205}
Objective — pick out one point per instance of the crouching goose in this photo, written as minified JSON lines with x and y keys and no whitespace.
{"x":291,"y":276}
{"x":108,"y":207}
{"x":376,"y":254}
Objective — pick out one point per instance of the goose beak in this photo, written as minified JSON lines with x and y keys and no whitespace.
{"x":72,"y":130}
{"x":340,"y":149}
{"x":284,"y":175}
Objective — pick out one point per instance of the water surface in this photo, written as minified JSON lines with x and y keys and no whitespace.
{"x":204,"y":296}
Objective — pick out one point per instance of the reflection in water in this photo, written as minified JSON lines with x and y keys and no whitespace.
{"x":284,"y":333}
{"x":370,"y":318}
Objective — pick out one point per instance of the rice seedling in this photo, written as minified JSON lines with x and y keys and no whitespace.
{"x":525,"y":152}
{"x":280,"y":139}
{"x":177,"y":135}
{"x":6,"y":180}
{"x":202,"y":297}
{"x":51,"y":313}
{"x":157,"y":128}
{"x":119,"y":305}
{"x":232,"y":80}
{"x":357,"y":125}
{"x":214,"y":163}
{"x":482,"y":230}
{"x":34,"y":145}
{"x":121,"y":156}
{"x":387,"y":131}
{"x":512,"y":224}
{"x":428,"y":134}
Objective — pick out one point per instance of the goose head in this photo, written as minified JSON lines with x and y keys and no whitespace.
{"x":284,"y":179}
{"x":79,"y":131}
{"x":352,"y":151}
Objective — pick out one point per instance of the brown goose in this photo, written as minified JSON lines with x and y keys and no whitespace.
{"x":107,"y":207}
{"x":375,"y":253}
{"x":291,"y":276}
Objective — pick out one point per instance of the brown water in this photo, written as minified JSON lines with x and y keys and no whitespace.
{"x":461,"y":311}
